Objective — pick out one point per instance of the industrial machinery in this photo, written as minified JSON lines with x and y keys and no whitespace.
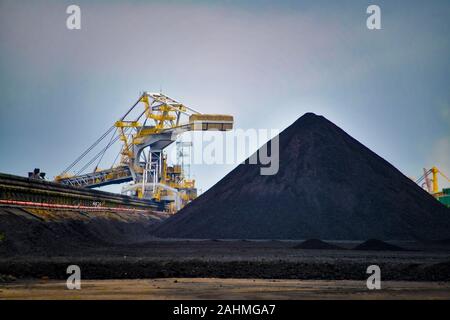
{"x":158,"y":121}
{"x":432,"y":185}
{"x":36,"y":174}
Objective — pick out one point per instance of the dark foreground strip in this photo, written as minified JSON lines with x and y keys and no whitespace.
{"x":136,"y":269}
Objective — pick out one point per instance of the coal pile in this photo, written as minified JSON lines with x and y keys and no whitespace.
{"x":377,"y":245}
{"x":30,"y":232}
{"x":329,"y":186}
{"x":316,"y":244}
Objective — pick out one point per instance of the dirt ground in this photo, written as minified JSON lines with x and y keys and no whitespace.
{"x":222,"y":269}
{"x":222,"y":289}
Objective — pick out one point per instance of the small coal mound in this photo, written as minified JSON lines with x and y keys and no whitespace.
{"x":316,"y":244}
{"x":25,"y":232}
{"x":377,"y":245}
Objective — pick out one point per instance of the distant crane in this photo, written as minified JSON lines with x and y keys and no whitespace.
{"x":142,"y":160}
{"x":432,"y":185}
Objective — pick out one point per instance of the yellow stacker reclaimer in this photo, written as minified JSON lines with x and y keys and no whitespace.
{"x":159,"y":121}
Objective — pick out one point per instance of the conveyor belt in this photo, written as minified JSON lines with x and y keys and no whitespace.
{"x":15,"y":188}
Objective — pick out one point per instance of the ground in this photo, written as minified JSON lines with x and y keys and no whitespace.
{"x":227,"y":269}
{"x":223,"y":289}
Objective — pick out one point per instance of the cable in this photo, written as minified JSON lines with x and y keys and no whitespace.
{"x":112,"y":141}
{"x":442,"y":174}
{"x":88,"y":150}
{"x":96,"y":156}
{"x":115,"y":159}
{"x":134,"y":105}
{"x":423,"y":176}
{"x":100,"y":139}
{"x":107,"y":146}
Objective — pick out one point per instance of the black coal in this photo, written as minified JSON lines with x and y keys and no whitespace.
{"x":329,"y":186}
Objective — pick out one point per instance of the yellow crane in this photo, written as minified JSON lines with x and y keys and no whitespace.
{"x":431,"y":184}
{"x":430,"y":181}
{"x":158,"y":121}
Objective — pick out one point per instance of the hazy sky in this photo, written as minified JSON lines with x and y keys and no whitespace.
{"x":265,"y":62}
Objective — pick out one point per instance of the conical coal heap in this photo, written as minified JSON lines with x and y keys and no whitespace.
{"x":329,"y":186}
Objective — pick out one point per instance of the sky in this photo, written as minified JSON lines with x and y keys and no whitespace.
{"x":264,"y":62}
